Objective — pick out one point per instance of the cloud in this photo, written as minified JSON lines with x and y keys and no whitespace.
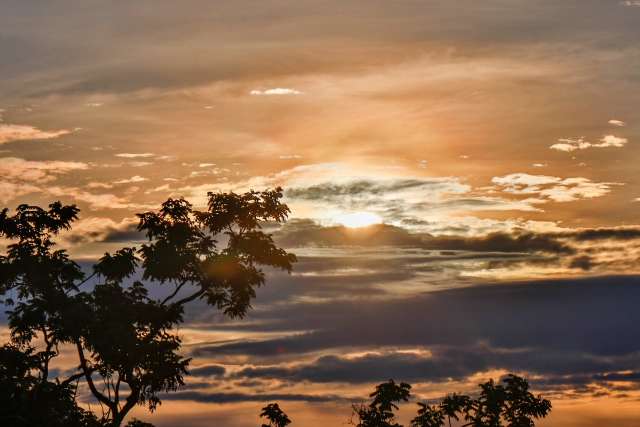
{"x":439,"y":364}
{"x":205,"y":397}
{"x":207,"y":371}
{"x":304,"y":233}
{"x":615,"y":122}
{"x":13,"y":190}
{"x":612,"y":141}
{"x":631,"y":3}
{"x":96,"y":229}
{"x":524,"y":180}
{"x":139,"y":164}
{"x":135,"y":155}
{"x":366,"y":188}
{"x":17,"y":169}
{"x":10,"y":133}
{"x":133,"y":179}
{"x":595,"y":234}
{"x":95,"y":201}
{"x":95,"y":184}
{"x":551,"y":187}
{"x":556,"y":315}
{"x":21,"y":177}
{"x":573,"y":144}
{"x":275,"y":91}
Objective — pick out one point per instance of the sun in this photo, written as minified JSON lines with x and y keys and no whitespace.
{"x":358,"y":219}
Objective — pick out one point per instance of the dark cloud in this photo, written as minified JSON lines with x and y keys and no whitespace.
{"x":582,"y":262}
{"x":306,"y":233}
{"x":109,"y":233}
{"x":365,"y":188}
{"x":204,"y":397}
{"x":300,"y":233}
{"x":572,"y":336}
{"x":207,"y":371}
{"x":596,"y":234}
{"x":500,"y":242}
{"x":442,"y":364}
{"x":594,"y":316}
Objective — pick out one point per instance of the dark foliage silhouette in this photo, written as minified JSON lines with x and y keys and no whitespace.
{"x":125,"y":340}
{"x":380,"y":412}
{"x":497,"y":405}
{"x":275,"y":416}
{"x":508,"y":405}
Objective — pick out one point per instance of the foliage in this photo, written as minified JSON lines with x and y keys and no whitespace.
{"x":380,"y":412}
{"x":126,"y":341}
{"x":275,"y":416}
{"x":28,"y":400}
{"x":508,"y":405}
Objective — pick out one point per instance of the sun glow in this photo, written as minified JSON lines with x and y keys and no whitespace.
{"x":358,"y":219}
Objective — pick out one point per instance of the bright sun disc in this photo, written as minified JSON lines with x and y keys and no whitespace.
{"x":358,"y":219}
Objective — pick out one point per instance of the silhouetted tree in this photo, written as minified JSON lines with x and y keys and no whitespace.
{"x":428,"y":416}
{"x":275,"y":416}
{"x":380,"y":412}
{"x":128,"y":352}
{"x":508,"y":405}
{"x":29,"y":400}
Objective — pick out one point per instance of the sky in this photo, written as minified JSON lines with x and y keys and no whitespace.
{"x":462,"y":177}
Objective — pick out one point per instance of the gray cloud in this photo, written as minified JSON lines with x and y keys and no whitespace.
{"x":557,"y":315}
{"x":207,"y":371}
{"x":305,"y":233}
{"x":205,"y":397}
{"x":442,"y":364}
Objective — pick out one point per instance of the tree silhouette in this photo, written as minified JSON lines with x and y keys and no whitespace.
{"x":509,"y":405}
{"x":428,"y":416}
{"x":127,"y":348}
{"x":275,"y":416}
{"x":29,"y":400}
{"x":380,"y":412}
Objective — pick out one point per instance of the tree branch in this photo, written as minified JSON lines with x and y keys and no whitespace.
{"x":87,"y":374}
{"x":190,"y":298}
{"x":174,"y":293}
{"x":86,"y":280}
{"x":47,"y":356}
{"x":131,"y":401}
{"x":75,"y":377}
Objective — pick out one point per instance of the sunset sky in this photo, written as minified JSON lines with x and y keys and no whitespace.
{"x":463,"y":178}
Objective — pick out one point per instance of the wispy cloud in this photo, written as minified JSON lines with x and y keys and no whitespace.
{"x":573,"y":144}
{"x":16,"y":169}
{"x":135,"y":155}
{"x":275,"y":91}
{"x":133,"y":179}
{"x":20,"y":176}
{"x":94,"y":201}
{"x":10,"y":133}
{"x":552,"y":187}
